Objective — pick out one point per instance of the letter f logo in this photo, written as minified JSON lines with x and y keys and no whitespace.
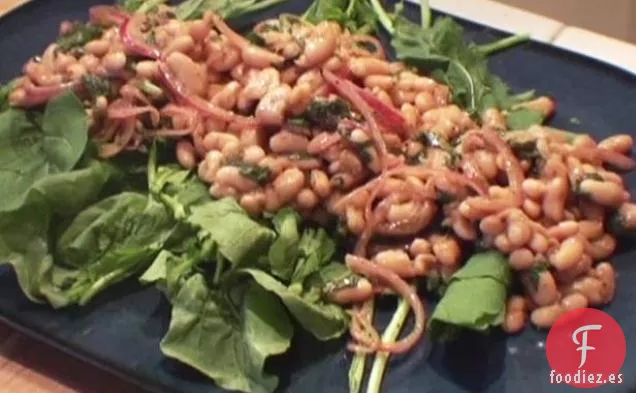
{"x":583,"y":344}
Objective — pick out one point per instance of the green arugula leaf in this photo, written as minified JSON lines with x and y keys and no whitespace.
{"x":5,"y":91}
{"x":356,"y":15}
{"x":325,"y":321}
{"x":241,"y":337}
{"x":316,"y":249}
{"x":140,"y":6}
{"x":32,"y":146}
{"x":522,"y":119}
{"x":284,"y":251}
{"x":25,"y":231}
{"x":194,"y":9}
{"x":107,"y":243}
{"x":239,"y":238}
{"x":475,"y":298}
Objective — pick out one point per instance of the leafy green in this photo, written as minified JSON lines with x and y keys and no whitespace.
{"x":324,"y":320}
{"x":79,"y":36}
{"x":440,"y":49}
{"x":355,"y":15}
{"x":177,"y":188}
{"x":140,"y":6}
{"x":227,"y":342}
{"x":194,"y":9}
{"x":284,"y":251}
{"x":260,"y":174}
{"x":107,"y":243}
{"x":315,"y":250}
{"x":96,"y":86}
{"x":33,"y":146}
{"x":475,"y":298}
{"x":25,"y":231}
{"x":327,"y":114}
{"x":522,"y":119}
{"x":5,"y":91}
{"x":238,"y":237}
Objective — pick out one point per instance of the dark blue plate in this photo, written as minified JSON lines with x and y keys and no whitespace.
{"x":121,"y":330}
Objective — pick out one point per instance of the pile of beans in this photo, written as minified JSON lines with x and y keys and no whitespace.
{"x":535,"y":195}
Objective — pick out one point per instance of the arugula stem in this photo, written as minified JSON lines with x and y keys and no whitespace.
{"x":391,"y":334}
{"x":504,"y":43}
{"x":150,"y":5}
{"x":350,"y":8}
{"x":310,"y":10}
{"x":359,"y":361}
{"x":383,"y":17}
{"x":220,"y":264}
{"x":425,"y":14}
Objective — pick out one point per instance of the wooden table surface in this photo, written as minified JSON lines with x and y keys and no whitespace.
{"x":29,"y":366}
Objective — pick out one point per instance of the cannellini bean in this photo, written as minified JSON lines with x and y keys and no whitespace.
{"x":492,"y":225}
{"x":574,"y":301}
{"x":361,"y":292}
{"x":230,"y":176}
{"x":463,"y":228}
{"x":446,"y":249}
{"x":365,"y":66}
{"x":619,"y":143}
{"x":253,"y":154}
{"x":260,"y":82}
{"x":384,"y":82}
{"x":320,"y":45}
{"x":545,"y":317}
{"x":532,"y":209}
{"x":502,"y":243}
{"x":554,"y":200}
{"x":192,"y":75}
{"x":604,"y":193}
{"x":210,"y":165}
{"x":253,"y":202}
{"x":521,"y":259}
{"x":355,"y":220}
{"x":568,"y":254}
{"x":539,"y":244}
{"x":591,"y":287}
{"x":114,"y":61}
{"x":286,"y":142}
{"x":401,"y":211}
{"x":147,"y":69}
{"x":604,"y":271}
{"x":591,"y":229}
{"x":218,"y":191}
{"x":397,"y":261}
{"x":288,"y":184}
{"x":186,"y":154}
{"x":270,"y":110}
{"x":97,"y":47}
{"x":424,"y":101}
{"x":519,"y":233}
{"x":226,"y":98}
{"x":273,"y":202}
{"x":320,"y":183}
{"x":602,"y":248}
{"x":546,"y":291}
{"x":564,"y":229}
{"x":299,"y":98}
{"x":514,"y":322}
{"x":306,"y":199}
{"x":410,"y":114}
{"x":419,"y":246}
{"x":517,"y":303}
{"x":220,"y":141}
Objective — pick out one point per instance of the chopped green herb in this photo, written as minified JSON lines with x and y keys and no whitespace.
{"x":96,"y":86}
{"x":327,"y":114}
{"x":79,"y":36}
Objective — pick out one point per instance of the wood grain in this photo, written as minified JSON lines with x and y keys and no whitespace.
{"x":7,"y":6}
{"x":29,"y":366}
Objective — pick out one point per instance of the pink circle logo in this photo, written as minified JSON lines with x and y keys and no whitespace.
{"x":586,"y":348}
